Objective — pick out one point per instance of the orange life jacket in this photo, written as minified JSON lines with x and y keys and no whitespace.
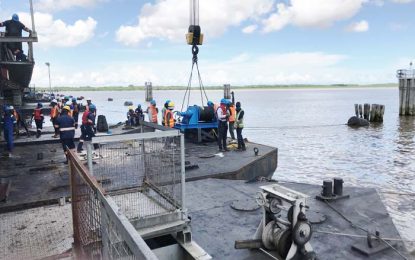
{"x":16,"y":115}
{"x":153,"y":114}
{"x":85,"y":118}
{"x":233,"y":113}
{"x":38,"y":114}
{"x":169,"y":122}
{"x":54,"y":112}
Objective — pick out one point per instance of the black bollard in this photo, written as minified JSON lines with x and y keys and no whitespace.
{"x":338,"y":186}
{"x":327,"y":188}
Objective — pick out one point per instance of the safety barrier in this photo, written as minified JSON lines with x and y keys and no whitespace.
{"x":100,"y":229}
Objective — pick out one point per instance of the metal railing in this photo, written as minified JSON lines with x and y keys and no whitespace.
{"x":101,"y":231}
{"x":405,"y":74}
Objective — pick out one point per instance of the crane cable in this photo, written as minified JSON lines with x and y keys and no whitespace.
{"x":195,"y":51}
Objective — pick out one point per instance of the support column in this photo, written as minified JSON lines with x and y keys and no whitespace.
{"x":227,"y":91}
{"x":149,"y":91}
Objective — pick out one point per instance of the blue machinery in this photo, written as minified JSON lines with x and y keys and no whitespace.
{"x":200,"y":119}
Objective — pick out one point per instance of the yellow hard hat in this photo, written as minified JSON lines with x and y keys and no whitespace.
{"x":171,"y":104}
{"x":67,"y":108}
{"x":130,"y":108}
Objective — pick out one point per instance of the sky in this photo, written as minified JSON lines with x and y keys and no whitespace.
{"x":246,"y":42}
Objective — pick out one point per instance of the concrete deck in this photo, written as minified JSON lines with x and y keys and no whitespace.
{"x":46,"y":231}
{"x":37,"y":182}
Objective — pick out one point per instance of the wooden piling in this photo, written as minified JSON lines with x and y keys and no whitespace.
{"x":360,"y":111}
{"x":406,"y":92}
{"x":227,"y":91}
{"x":356,"y":109}
{"x":366,"y":111}
{"x":149,"y":91}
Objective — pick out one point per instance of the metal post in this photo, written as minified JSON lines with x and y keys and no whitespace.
{"x":33,"y":17}
{"x":183,"y":173}
{"x":89,"y":157}
{"x":50,"y":84}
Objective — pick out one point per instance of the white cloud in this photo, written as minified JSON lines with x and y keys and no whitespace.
{"x":57,"y":5}
{"x":168,"y":19}
{"x":402,"y":1}
{"x":250,"y":28}
{"x":57,"y":33}
{"x":311,"y":13}
{"x":362,"y":26}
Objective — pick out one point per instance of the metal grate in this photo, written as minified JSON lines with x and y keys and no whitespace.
{"x":144,"y":175}
{"x":101,"y":231}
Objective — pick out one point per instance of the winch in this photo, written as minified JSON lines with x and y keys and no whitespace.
{"x":283,"y":237}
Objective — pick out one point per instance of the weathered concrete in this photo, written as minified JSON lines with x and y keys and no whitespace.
{"x":215,"y":225}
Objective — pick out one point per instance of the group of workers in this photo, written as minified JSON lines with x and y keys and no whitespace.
{"x":135,"y":116}
{"x":64,"y":115}
{"x":230,"y":116}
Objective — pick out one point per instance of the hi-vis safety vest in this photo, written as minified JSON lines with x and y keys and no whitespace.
{"x":233,"y":112}
{"x":54,"y":112}
{"x":239,"y":123}
{"x":153,"y":114}
{"x":37,"y":114}
{"x":169,"y":122}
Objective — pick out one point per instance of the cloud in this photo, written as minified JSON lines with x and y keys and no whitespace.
{"x":58,"y":5}
{"x":402,"y":1}
{"x":59,"y":34}
{"x":362,"y":26}
{"x":168,"y":19}
{"x":250,"y":29}
{"x":311,"y":13}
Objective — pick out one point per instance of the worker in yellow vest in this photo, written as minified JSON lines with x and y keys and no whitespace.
{"x":239,"y":125}
{"x":232,"y":120}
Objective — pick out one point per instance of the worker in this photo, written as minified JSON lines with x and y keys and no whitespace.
{"x":139,"y":115}
{"x":163,"y":111}
{"x":87,"y":127}
{"x":223,"y":116}
{"x":69,"y":104}
{"x":152,"y":112}
{"x":169,"y":117}
{"x":14,"y":29}
{"x":59,"y":103}
{"x":239,"y":125}
{"x":75,"y":112}
{"x":131,"y":116}
{"x":232,"y":119}
{"x":88,"y":103}
{"x":54,"y":114}
{"x":38,"y":116}
{"x":8,"y":121}
{"x":66,"y":126}
{"x":19,"y":121}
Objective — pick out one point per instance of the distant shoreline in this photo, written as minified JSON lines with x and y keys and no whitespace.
{"x":253,"y":87}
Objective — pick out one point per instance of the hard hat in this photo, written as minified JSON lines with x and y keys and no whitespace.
{"x":73,"y":99}
{"x":15,"y":17}
{"x":11,"y":107}
{"x":68,"y":103}
{"x":54,"y":101}
{"x":67,"y":108}
{"x":130,"y":108}
{"x":153,"y":102}
{"x":210,"y":103}
{"x":88,"y":99}
{"x":171,"y":105}
{"x":39,"y":105}
{"x":92,"y":107}
{"x":224,"y":101}
{"x":167,"y":102}
{"x":139,"y":106}
{"x":66,"y":98}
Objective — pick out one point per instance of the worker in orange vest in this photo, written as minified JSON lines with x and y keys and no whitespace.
{"x":38,"y":116}
{"x":232,"y":111}
{"x":54,"y":114}
{"x":169,"y":117}
{"x":152,"y":112}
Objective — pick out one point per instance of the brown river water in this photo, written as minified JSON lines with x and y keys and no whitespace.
{"x":308,"y":127}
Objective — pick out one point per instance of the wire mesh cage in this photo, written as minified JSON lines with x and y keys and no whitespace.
{"x":144,"y":176}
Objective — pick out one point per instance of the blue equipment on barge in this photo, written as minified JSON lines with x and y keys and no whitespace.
{"x":197,"y":118}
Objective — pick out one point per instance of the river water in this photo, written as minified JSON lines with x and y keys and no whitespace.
{"x":308,"y":127}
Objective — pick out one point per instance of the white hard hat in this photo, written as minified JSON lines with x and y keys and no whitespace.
{"x":54,"y":101}
{"x":68,"y":103}
{"x":11,"y":107}
{"x":88,"y":99}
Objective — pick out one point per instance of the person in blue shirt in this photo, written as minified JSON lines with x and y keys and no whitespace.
{"x":8,"y":121}
{"x":66,"y":125}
